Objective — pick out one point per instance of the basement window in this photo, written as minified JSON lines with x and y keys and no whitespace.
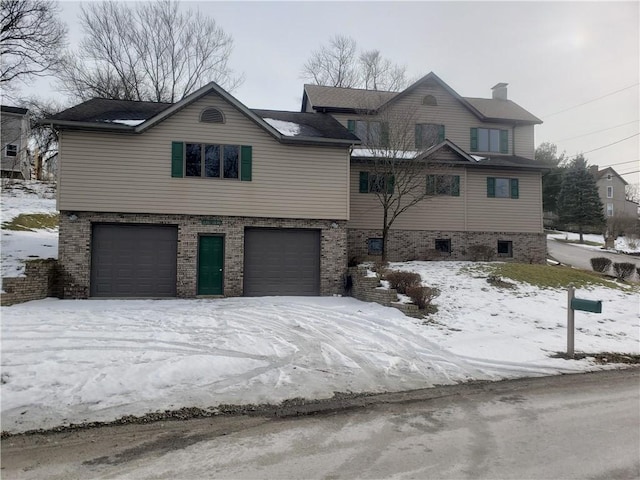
{"x":374,"y":246}
{"x":505,"y":248}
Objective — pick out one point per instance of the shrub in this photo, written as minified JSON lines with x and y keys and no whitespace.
{"x":623,"y":269}
{"x":481,"y":253}
{"x":354,"y":262}
{"x":379,"y":266}
{"x":400,"y":281}
{"x":600,"y":264}
{"x":422,"y":296}
{"x":638,"y":271}
{"x":431,"y":254}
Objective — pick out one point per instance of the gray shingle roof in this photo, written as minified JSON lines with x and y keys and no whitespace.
{"x":104,"y":110}
{"x":312,"y":125}
{"x":10,"y":109}
{"x":344,"y":99}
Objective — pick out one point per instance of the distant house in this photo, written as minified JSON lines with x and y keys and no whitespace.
{"x":15,"y":129}
{"x":208,"y":197}
{"x":611,"y":188}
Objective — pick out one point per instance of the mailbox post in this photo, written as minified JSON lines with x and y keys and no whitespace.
{"x":573,"y":304}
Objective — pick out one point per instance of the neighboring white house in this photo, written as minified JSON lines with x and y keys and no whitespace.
{"x":15,"y":136}
{"x":611,"y":188}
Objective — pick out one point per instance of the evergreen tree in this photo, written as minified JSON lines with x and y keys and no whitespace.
{"x":547,"y":154}
{"x":578,"y":202}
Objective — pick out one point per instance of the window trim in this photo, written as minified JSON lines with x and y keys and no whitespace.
{"x":383,"y":140}
{"x":14,"y":150}
{"x":367,"y":180}
{"x":609,"y":208}
{"x":179,"y":161}
{"x":610,"y":191}
{"x":374,"y":240}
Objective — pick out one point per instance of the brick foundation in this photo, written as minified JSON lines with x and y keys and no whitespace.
{"x":75,"y":248}
{"x":404,"y":245}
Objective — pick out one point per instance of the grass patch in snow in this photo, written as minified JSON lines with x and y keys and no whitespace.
{"x":31,"y":222}
{"x":546,"y":276}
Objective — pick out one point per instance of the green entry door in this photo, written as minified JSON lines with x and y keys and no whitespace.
{"x":210,"y":265}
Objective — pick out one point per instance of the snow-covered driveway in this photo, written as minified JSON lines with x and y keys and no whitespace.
{"x":66,"y":361}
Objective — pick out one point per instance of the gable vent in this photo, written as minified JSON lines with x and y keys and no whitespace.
{"x":430,"y":100}
{"x":212,"y":115}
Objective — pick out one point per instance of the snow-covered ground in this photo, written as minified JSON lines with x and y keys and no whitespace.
{"x":26,"y":197}
{"x":622,"y":244}
{"x":67,"y":361}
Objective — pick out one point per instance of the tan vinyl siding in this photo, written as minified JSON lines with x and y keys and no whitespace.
{"x":523,"y":214}
{"x":106,"y":172}
{"x":471,"y":211}
{"x":456,"y":118}
{"x":432,"y":213}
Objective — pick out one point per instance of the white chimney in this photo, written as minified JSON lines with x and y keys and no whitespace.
{"x":500,"y":91}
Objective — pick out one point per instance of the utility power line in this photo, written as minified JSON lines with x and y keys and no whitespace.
{"x":595,"y":131}
{"x":590,"y":101}
{"x":612,"y":143}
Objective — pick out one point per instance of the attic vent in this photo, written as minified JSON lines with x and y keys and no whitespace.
{"x":212,"y":115}
{"x":430,"y":100}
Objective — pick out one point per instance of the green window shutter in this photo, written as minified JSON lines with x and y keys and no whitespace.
{"x":177,"y":159}
{"x":391,"y":181}
{"x":491,"y":187}
{"x":455,"y":188}
{"x":440,"y":133}
{"x":246,"y":161}
{"x":504,"y":141}
{"x":474,"y":139}
{"x":514,"y":188}
{"x":364,"y":182}
{"x":351,"y":125}
{"x":418,"y":135}
{"x":431,"y":184}
{"x":384,"y":134}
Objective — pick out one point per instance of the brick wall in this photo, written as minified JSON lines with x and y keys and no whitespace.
{"x":367,"y":289}
{"x":40,"y":281}
{"x":75,"y":248}
{"x":404,"y":245}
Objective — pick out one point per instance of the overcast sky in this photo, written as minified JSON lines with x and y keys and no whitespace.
{"x":554,"y":56}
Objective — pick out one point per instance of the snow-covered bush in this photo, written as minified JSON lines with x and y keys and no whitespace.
{"x":623,"y":270}
{"x":400,"y":281}
{"x":600,"y":264}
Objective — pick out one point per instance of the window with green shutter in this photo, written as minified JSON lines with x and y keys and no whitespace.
{"x":428,"y":134}
{"x":232,"y":162}
{"x":502,"y":187}
{"x":489,"y":140}
{"x":376,"y":183}
{"x":351,"y":126}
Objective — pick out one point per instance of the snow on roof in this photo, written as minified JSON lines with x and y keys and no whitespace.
{"x":477,"y":158}
{"x":131,"y":123}
{"x":289,"y":129}
{"x":374,"y":152}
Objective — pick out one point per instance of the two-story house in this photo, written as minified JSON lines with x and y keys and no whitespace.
{"x":201,"y":197}
{"x":482,"y":150}
{"x":208,"y":197}
{"x":14,"y":160}
{"x":611,"y":189}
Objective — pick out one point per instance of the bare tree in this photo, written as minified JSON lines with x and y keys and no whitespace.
{"x":380,"y":73}
{"x":44,"y":139}
{"x":147,"y":51}
{"x":398,"y":165}
{"x":338,"y":64}
{"x":632,"y":192}
{"x":334,"y":64}
{"x":31,"y":39}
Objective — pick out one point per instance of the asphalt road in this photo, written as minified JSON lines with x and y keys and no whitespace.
{"x":580,"y":257}
{"x":573,"y":426}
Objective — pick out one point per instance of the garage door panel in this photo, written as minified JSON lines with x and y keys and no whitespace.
{"x":133,"y":260}
{"x":281,"y":262}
